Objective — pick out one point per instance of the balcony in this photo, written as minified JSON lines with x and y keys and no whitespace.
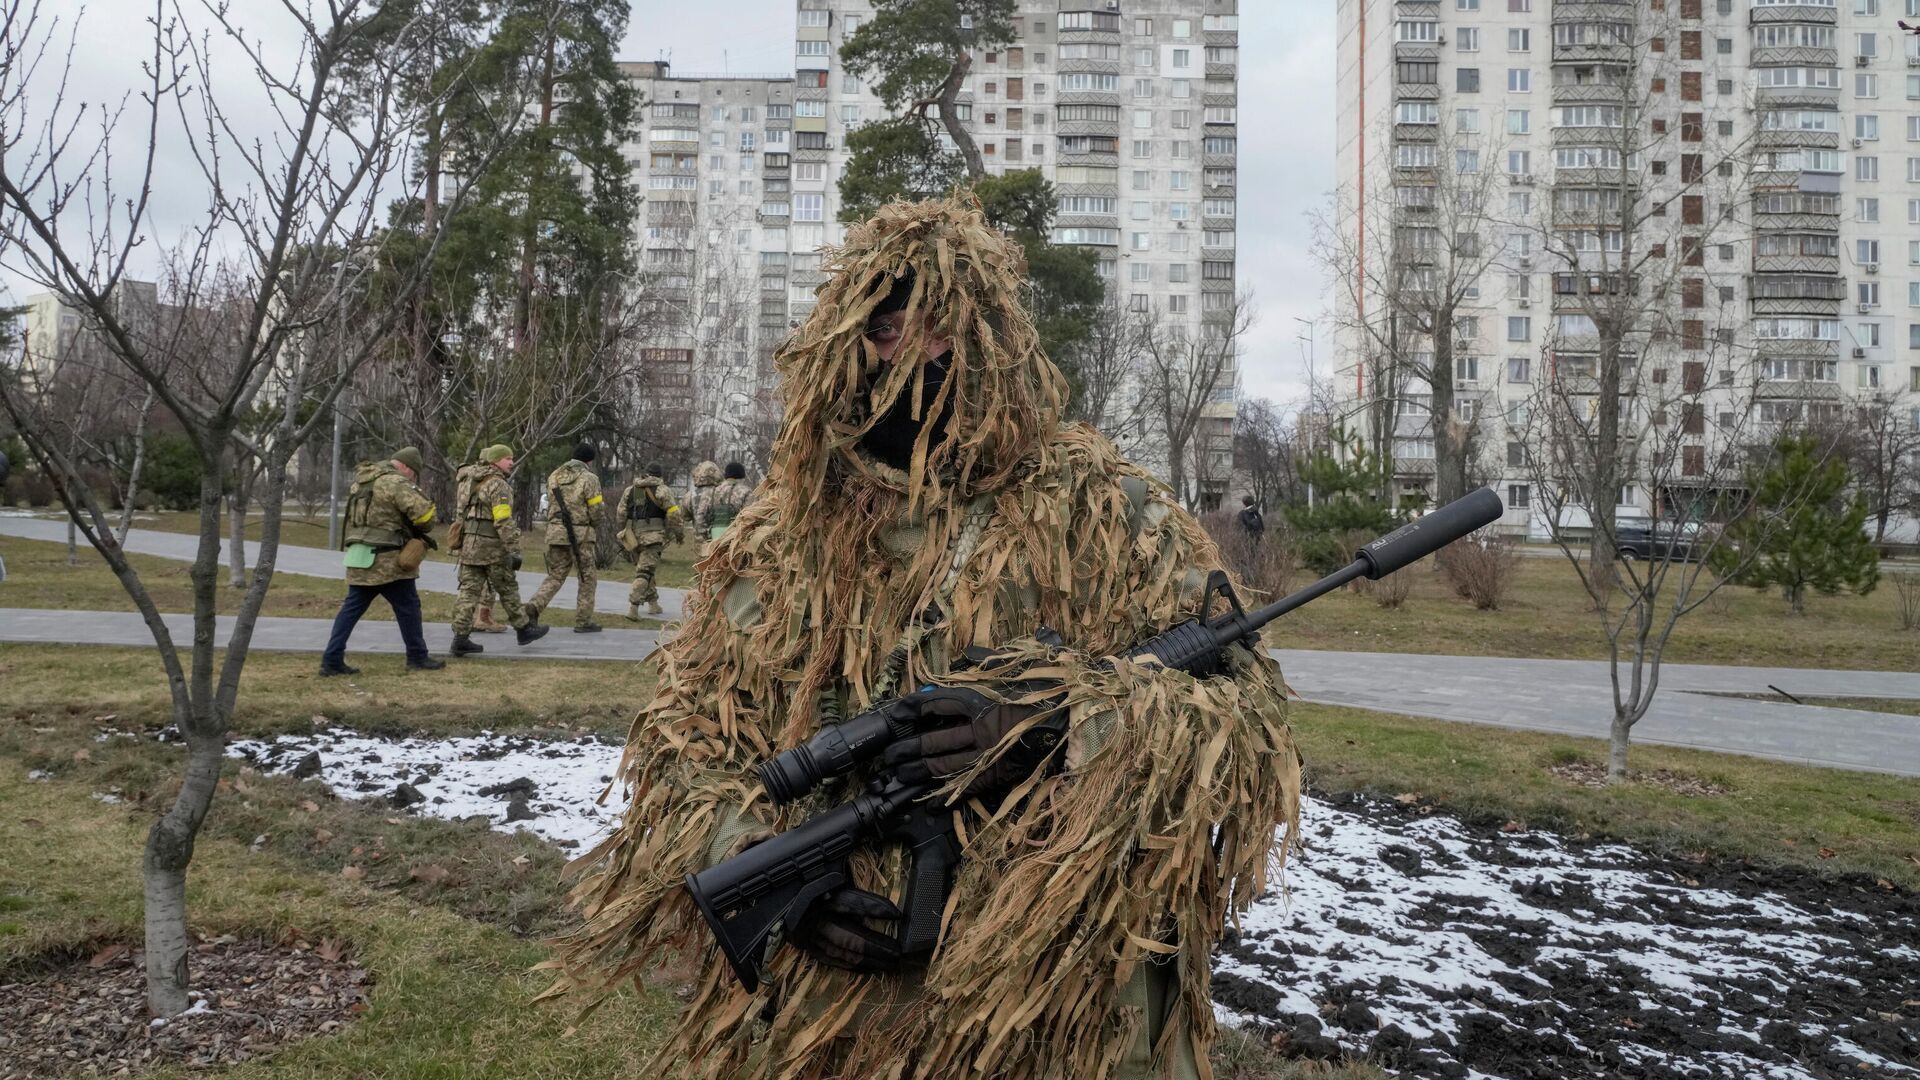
{"x":1827,"y":14}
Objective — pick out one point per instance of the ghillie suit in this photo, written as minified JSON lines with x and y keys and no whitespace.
{"x":1084,"y":911}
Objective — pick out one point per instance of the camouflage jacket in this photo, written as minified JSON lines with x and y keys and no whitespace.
{"x":574,"y":486}
{"x":487,"y":532}
{"x":646,"y":507}
{"x":384,"y":510}
{"x":720,"y":506}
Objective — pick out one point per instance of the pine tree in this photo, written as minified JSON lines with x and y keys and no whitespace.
{"x":1805,"y":531}
{"x":1345,"y":510}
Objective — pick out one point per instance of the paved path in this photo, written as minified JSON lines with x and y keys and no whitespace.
{"x":1568,"y":696}
{"x":319,"y":562}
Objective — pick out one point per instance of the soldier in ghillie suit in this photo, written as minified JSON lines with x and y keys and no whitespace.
{"x":924,"y":497}
{"x":389,"y":522}
{"x":574,"y":510}
{"x":488,"y":549}
{"x":647,"y":509}
{"x":724,"y":503}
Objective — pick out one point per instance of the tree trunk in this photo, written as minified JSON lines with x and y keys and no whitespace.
{"x":946,"y":105}
{"x":73,"y":542}
{"x":169,"y":850}
{"x":530,"y":237}
{"x":1617,"y":748}
{"x":1797,"y":598}
{"x":1605,"y":488}
{"x":237,"y":545}
{"x":1449,"y":445}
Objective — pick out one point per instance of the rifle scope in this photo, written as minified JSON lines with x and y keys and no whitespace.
{"x":1193,"y":646}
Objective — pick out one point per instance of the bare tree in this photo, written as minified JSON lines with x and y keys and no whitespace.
{"x":1407,"y":264}
{"x":1187,"y":382}
{"x":271,"y":254}
{"x":1108,"y":360}
{"x":1883,"y":454}
{"x":1266,"y":446}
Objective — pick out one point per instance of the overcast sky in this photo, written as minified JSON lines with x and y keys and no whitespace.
{"x":1286,"y":131}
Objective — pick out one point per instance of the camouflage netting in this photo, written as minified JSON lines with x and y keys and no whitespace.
{"x":799,"y":618}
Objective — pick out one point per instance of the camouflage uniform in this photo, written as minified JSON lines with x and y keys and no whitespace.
{"x":706,"y":477}
{"x":722,"y":504}
{"x":646,"y":508}
{"x":384,"y":511}
{"x":574,"y":487}
{"x":488,"y":540}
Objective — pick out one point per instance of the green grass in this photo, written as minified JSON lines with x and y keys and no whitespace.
{"x":1898,"y":706}
{"x":282,"y":692}
{"x":1826,"y":820}
{"x":1547,"y":616}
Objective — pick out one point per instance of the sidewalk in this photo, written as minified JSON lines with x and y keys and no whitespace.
{"x":610,"y":597}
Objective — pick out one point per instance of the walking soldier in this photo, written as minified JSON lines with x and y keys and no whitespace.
{"x":646,"y":507}
{"x":574,"y":511}
{"x":488,"y":546}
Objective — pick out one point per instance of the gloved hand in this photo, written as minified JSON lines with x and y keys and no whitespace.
{"x":832,"y":933}
{"x":959,"y":725}
{"x":514,"y":561}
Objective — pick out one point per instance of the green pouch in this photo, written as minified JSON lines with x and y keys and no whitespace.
{"x":359,"y":556}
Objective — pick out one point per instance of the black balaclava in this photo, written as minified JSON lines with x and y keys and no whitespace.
{"x":892,"y":437}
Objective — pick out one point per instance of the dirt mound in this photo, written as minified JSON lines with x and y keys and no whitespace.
{"x":250,"y":998}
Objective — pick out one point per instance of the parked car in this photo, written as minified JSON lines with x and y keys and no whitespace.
{"x":1674,"y":542}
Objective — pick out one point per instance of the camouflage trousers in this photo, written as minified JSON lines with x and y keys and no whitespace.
{"x":646,"y":564}
{"x":559,"y":564}
{"x":479,"y":582}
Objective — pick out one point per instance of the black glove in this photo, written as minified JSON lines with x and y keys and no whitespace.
{"x":832,"y":932}
{"x":958,"y":725}
{"x":514,"y":561}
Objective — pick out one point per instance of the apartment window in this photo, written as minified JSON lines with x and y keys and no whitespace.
{"x":1723,"y":46}
{"x":1519,"y":203}
{"x":1140,"y":273}
{"x":1182,"y":119}
{"x":1466,"y":369}
{"x":1177,"y":304}
{"x":1723,"y":87}
{"x":1519,"y":369}
{"x":807,"y":108}
{"x":809,"y":207}
{"x":1519,"y":40}
{"x":1143,"y":148}
{"x":1519,"y":5}
{"x":1519,"y":80}
{"x":1466,"y":5}
{"x":1142,"y":118}
{"x":1183,"y":28}
{"x":813,"y":18}
{"x":1689,"y":86}
{"x":811,"y":48}
{"x":849,"y":24}
{"x":1181,"y":88}
{"x":1868,"y":293}
{"x":1866,"y":210}
{"x":1866,"y":167}
{"x":1689,"y":44}
{"x":1866,"y":45}
{"x":1143,"y":88}
{"x":1517,"y":494}
{"x":1179,"y":180}
{"x":1870,"y":337}
{"x":1142,"y":241}
{"x":1177,"y":273}
{"x":1182,"y":58}
{"x":1181,"y":150}
{"x":1864,"y":7}
{"x":1466,"y":80}
{"x":1466,"y":120}
{"x":1866,"y":126}
{"x":1466,"y":161}
{"x":1141,"y":27}
{"x":1866,"y":86}
{"x":1867,"y":376}
{"x":1518,"y":122}
{"x":1466,"y":39}
{"x":1519,"y":328}
{"x":1142,"y":180}
{"x":1724,"y":127}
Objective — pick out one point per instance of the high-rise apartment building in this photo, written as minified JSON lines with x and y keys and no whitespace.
{"x":712,"y":157}
{"x":1771,"y":149}
{"x":1130,"y":110}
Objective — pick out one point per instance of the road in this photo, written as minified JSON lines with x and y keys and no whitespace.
{"x":1566,"y":696}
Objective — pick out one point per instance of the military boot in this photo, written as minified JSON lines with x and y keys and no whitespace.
{"x":465,"y":646}
{"x":587,"y":628}
{"x":633,"y":612}
{"x":530,"y":633}
{"x":654,"y":608}
{"x":483,"y":622}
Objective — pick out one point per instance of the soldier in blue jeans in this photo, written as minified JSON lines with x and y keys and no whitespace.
{"x":384,"y":511}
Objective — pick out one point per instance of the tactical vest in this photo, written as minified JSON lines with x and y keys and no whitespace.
{"x":360,"y":529}
{"x":477,"y":516}
{"x":723,"y":514}
{"x":641,"y":507}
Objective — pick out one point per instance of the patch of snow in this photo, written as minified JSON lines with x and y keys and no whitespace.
{"x":201,"y":1006}
{"x":39,"y":774}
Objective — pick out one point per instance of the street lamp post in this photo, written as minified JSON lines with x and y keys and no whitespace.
{"x":1306,"y":415}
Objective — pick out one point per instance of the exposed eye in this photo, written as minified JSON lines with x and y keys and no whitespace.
{"x":884,"y":333}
